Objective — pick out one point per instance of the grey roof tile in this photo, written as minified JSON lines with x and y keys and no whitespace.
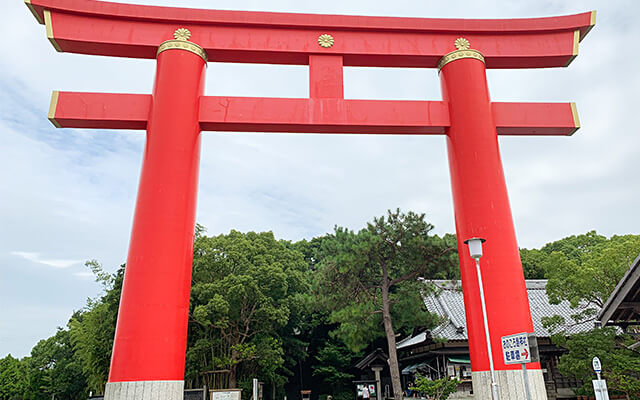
{"x":447,"y":302}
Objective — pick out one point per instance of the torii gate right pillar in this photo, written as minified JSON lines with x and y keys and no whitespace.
{"x":482,"y":210}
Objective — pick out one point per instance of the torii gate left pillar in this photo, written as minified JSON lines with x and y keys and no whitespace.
{"x":151,"y":335}
{"x":149,"y":347}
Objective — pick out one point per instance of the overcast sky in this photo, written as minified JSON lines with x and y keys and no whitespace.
{"x":68,"y":195}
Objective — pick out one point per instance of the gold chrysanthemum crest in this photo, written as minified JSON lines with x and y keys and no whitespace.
{"x":325,"y":40}
{"x":182,"y":34}
{"x":181,"y":42}
{"x":463,"y":50}
{"x":462,"y":44}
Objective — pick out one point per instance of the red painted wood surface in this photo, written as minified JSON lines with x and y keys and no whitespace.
{"x":124,"y":30}
{"x":481,"y":206}
{"x":326,"y":76}
{"x":535,"y":118}
{"x":151,"y":333}
{"x":102,"y":110}
{"x":248,"y":114}
{"x":308,"y":21}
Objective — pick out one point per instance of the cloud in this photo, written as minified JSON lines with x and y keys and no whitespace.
{"x":84,"y":274}
{"x":35,"y":257}
{"x":70,"y":193}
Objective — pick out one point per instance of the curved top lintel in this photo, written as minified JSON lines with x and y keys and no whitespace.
{"x":136,"y":31}
{"x":582,"y":22}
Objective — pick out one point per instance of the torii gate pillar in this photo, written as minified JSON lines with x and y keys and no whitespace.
{"x":482,"y":210}
{"x":151,"y":335}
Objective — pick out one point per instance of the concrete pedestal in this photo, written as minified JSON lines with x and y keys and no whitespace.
{"x":145,"y":390}
{"x":510,"y":384}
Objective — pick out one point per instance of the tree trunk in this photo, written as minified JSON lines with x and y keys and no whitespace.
{"x":391,"y":337}
{"x":233,"y":369}
{"x":232,"y":377}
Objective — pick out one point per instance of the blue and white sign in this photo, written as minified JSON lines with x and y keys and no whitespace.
{"x":515,"y":349}
{"x":597,"y":366}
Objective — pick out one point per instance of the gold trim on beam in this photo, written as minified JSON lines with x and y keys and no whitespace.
{"x":179,"y":44}
{"x":49,"y":26}
{"x":576,"y":41}
{"x":34,"y":12}
{"x":576,"y":120}
{"x":592,"y":23}
{"x":459,"y":54}
{"x":463,"y":51}
{"x":52,"y":108}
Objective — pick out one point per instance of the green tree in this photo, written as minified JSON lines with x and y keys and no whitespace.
{"x":54,"y":369}
{"x":14,"y":381}
{"x":620,"y":365}
{"x":439,"y":389}
{"x":92,"y":329}
{"x":535,"y":262}
{"x":246,"y":287}
{"x":576,"y":246}
{"x":334,"y":362}
{"x":586,"y":276}
{"x":584,"y":270}
{"x":369,"y":279}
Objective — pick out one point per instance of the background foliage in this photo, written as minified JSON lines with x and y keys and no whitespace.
{"x":294,"y":313}
{"x":584,"y":270}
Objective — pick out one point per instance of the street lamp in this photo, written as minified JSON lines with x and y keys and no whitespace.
{"x":475,"y":251}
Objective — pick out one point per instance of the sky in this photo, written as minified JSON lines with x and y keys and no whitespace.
{"x":67,"y":195}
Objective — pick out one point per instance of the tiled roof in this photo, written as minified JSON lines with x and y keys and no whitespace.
{"x":448,"y":303}
{"x":371,"y":358}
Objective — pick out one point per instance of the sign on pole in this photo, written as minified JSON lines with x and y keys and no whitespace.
{"x":597,"y":366}
{"x":521,"y":348}
{"x":515,"y":349}
{"x":599,"y":385}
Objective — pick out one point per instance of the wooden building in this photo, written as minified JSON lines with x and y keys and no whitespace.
{"x":622,"y":308}
{"x":444,"y":350}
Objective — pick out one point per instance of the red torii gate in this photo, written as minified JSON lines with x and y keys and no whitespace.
{"x":149,"y":349}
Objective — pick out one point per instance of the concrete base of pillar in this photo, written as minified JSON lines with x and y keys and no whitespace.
{"x":510,"y":385}
{"x":144,"y":390}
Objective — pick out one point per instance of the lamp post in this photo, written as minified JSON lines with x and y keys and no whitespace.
{"x":475,"y":251}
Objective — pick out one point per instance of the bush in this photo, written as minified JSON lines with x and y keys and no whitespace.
{"x":347,"y":395}
{"x":439,"y":389}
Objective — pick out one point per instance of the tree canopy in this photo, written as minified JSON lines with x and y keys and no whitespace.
{"x":13,"y":378}
{"x":307,"y":311}
{"x":584,"y":270}
{"x":92,"y":329}
{"x":369,"y":279}
{"x":246,"y":287}
{"x":620,"y":363}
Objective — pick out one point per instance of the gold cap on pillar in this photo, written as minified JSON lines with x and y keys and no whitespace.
{"x":464,"y":51}
{"x":181,"y":42}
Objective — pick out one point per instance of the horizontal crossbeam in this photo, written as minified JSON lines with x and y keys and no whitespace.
{"x":248,"y":114}
{"x":126,"y":30}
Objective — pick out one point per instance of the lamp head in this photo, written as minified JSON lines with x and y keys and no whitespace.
{"x":475,"y":247}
